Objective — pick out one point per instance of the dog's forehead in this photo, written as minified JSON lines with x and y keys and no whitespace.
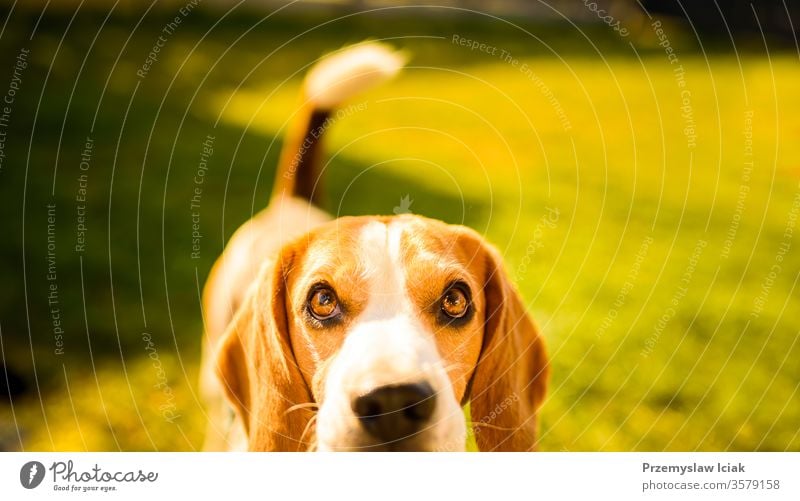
{"x":378,"y":240}
{"x":400,"y":242}
{"x":368,"y":245}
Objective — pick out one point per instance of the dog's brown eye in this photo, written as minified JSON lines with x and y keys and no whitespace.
{"x":455,"y":303}
{"x":323,"y":303}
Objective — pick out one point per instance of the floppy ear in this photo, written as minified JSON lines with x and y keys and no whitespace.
{"x":510,"y":380}
{"x":257,"y":367}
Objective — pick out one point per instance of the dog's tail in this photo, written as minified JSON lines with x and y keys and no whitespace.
{"x":329,"y":83}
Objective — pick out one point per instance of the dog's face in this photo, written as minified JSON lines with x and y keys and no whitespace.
{"x":382,"y":323}
{"x":388,"y":326}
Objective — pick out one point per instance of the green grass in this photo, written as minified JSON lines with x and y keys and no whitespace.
{"x":472,"y":140}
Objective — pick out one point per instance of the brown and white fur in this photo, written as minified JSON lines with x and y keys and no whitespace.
{"x":423,"y":319}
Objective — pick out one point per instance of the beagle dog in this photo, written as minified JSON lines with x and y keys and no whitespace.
{"x":362,"y":333}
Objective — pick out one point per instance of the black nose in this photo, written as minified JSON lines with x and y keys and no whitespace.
{"x":394,"y":412}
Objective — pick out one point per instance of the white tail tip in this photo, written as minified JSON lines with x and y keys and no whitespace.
{"x":353,"y":70}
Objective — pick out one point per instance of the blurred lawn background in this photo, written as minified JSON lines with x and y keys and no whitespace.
{"x":580,"y":170}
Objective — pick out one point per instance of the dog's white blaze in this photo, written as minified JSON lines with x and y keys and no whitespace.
{"x":387,"y":344}
{"x":381,"y":261}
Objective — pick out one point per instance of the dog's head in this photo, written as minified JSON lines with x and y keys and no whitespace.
{"x":383,"y":328}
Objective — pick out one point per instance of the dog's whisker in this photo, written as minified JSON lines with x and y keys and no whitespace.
{"x":306,"y":405}
{"x":313,"y":444}
{"x":454,"y":365}
{"x":491,"y":426}
{"x":307,"y":428}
